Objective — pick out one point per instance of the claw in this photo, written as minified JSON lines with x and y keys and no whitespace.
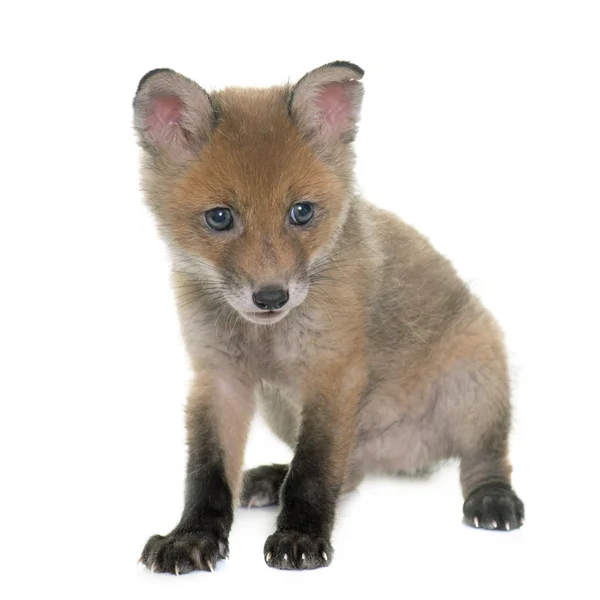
{"x":251,"y":502}
{"x":177,"y":570}
{"x":476,"y":521}
{"x":303,"y":557}
{"x":494,"y":525}
{"x":522,"y":521}
{"x":210,"y":566}
{"x":285,"y":557}
{"x":197,"y":558}
{"x":268,"y":557}
{"x":508,"y":527}
{"x":153,"y":567}
{"x":324,"y":554}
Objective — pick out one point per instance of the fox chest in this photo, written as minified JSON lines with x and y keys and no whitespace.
{"x":284,"y":359}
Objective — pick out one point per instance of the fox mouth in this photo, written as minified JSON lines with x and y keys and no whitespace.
{"x":265,"y":316}
{"x":266,"y":311}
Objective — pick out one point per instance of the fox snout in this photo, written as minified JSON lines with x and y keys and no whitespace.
{"x":267,"y":303}
{"x":271,"y":298}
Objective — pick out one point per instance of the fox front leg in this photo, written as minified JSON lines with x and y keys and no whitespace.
{"x":217,"y":428}
{"x":316,"y":476}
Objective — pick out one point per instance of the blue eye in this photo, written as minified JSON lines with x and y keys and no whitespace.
{"x":301,"y":213}
{"x":219,"y":219}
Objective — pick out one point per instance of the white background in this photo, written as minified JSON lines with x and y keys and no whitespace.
{"x":481,"y":126}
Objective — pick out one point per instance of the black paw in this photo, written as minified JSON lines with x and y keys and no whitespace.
{"x":261,"y":485}
{"x":293,"y":550}
{"x":494,"y":506}
{"x":182,"y":552}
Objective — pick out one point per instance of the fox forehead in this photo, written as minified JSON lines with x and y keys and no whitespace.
{"x":255,"y":156}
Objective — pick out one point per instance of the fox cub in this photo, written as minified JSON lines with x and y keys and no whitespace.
{"x":355,"y":338}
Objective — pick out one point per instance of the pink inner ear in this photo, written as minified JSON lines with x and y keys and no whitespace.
{"x":334,"y":103}
{"x":164,"y":112}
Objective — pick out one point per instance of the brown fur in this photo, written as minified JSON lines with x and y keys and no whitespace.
{"x":389,"y":363}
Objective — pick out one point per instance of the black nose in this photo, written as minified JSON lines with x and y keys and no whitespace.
{"x":270,"y":298}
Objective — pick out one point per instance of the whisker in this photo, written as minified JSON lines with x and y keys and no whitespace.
{"x":323,"y":307}
{"x":211,"y":296}
{"x":238,"y":317}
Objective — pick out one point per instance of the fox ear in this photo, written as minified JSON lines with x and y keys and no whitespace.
{"x":325,"y":104}
{"x":173,"y":115}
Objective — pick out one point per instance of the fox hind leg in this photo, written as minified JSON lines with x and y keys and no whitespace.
{"x":474,"y":402}
{"x":261,"y":485}
{"x":490,"y":501}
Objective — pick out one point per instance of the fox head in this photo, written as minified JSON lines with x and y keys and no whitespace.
{"x":250,"y":187}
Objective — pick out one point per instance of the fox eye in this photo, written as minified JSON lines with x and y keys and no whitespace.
{"x":219,"y":219}
{"x":301,"y":213}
